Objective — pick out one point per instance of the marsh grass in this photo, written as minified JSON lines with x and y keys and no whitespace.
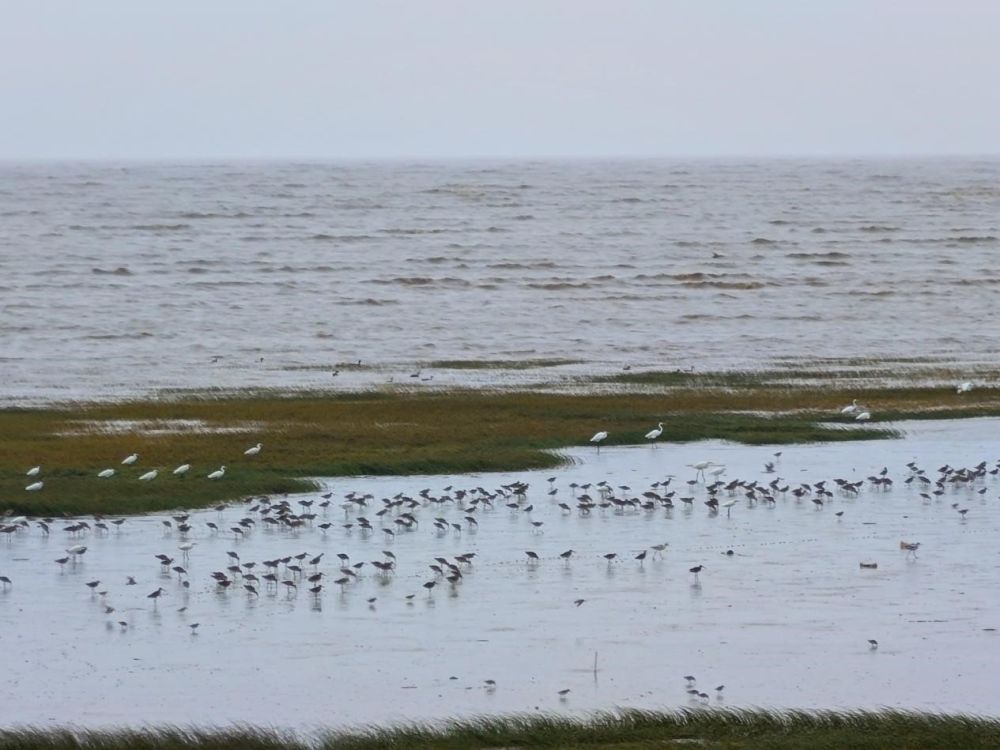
{"x":624,"y":730}
{"x":400,"y":432}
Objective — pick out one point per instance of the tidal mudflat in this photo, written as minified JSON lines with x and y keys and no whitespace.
{"x":784,"y":621}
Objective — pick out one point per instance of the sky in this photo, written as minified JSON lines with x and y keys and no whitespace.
{"x":203,"y":79}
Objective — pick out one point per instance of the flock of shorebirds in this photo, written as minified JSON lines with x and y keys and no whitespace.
{"x":448,"y":513}
{"x":130,"y":460}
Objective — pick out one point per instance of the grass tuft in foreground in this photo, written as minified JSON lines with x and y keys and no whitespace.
{"x":626,"y":730}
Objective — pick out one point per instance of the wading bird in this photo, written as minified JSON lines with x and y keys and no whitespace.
{"x":599,"y":437}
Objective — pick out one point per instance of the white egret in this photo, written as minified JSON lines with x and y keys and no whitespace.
{"x":218,"y":473}
{"x":34,"y":471}
{"x":598,"y":439}
{"x":850,"y":409}
{"x":107,"y":473}
{"x":149,"y":476}
{"x":964,"y":387}
{"x":34,"y":486}
{"x":129,"y":460}
{"x":652,"y":435}
{"x":252,"y":451}
{"x":182,"y":470}
{"x":701,"y":466}
{"x":863,"y":416}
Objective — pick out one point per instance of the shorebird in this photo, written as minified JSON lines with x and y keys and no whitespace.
{"x":851,"y":409}
{"x":106,"y":473}
{"x":963,"y":387}
{"x":218,"y":473}
{"x":181,"y":470}
{"x":129,"y":460}
{"x":696,"y":570}
{"x":253,"y":451}
{"x":599,"y":437}
{"x":910,"y":547}
{"x":700,"y":467}
{"x":652,"y":435}
{"x":34,"y":487}
{"x":33,"y":471}
{"x":863,"y":416}
{"x":872,"y":644}
{"x":149,"y":476}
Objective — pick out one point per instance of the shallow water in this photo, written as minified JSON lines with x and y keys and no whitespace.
{"x":119,"y":279}
{"x":784,"y":622}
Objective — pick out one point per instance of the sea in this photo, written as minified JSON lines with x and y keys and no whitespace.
{"x":133,"y":279}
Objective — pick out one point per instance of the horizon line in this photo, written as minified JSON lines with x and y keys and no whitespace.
{"x":411,"y":158}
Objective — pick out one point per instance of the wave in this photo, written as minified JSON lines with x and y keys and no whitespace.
{"x":419,"y":281}
{"x":160,"y":227}
{"x":879,"y":228}
{"x":693,"y":317}
{"x":729,"y":285}
{"x":556,"y":286}
{"x":832,"y":254}
{"x":405,"y":232}
{"x":212,"y":215}
{"x":323,"y":237}
{"x":511,"y":266}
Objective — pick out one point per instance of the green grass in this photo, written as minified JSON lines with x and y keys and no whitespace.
{"x":625,"y":730}
{"x":402,"y":432}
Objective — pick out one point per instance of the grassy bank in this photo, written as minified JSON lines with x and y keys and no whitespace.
{"x":631,"y":730}
{"x":397,"y":432}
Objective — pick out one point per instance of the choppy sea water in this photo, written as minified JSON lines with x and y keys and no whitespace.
{"x":121,"y":279}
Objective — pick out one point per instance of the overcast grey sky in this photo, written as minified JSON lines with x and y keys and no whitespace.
{"x":374,"y":78}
